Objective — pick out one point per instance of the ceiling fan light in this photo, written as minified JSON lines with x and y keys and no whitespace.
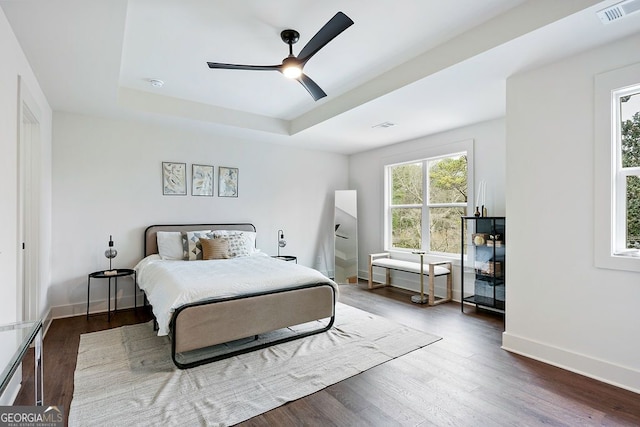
{"x":291,"y":68}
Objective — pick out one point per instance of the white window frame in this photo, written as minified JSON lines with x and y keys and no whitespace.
{"x":389,"y":208}
{"x":620,"y":176}
{"x":610,"y":177}
{"x":424,"y":156}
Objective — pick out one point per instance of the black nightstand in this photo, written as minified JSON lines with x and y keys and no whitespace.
{"x":286,"y":258}
{"x":119,"y":272}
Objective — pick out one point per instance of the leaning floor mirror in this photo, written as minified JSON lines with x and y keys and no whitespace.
{"x":346,"y":237}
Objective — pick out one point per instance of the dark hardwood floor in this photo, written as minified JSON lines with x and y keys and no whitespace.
{"x":465,"y":379}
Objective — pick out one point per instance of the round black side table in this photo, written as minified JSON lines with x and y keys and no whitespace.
{"x":108,"y":274}
{"x":286,"y":258}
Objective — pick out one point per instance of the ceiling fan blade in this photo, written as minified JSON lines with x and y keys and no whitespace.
{"x":331,"y":30}
{"x":244,"y":67}
{"x":311,"y":87}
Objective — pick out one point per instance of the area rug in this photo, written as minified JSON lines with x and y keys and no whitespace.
{"x":125,"y":377}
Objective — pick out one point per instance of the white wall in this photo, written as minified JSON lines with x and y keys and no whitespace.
{"x":367,"y":177}
{"x":560,"y":307}
{"x":13,"y":63}
{"x":107,"y":180}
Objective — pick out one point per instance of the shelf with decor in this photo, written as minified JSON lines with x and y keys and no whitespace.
{"x":483,"y":249}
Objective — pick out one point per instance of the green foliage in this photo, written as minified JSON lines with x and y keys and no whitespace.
{"x":630,"y":133}
{"x":447,"y":184}
{"x":633,"y":212}
{"x":407,"y":190}
{"x":407,"y":228}
{"x":445,"y":229}
{"x":407,"y":184}
{"x":448,"y":179}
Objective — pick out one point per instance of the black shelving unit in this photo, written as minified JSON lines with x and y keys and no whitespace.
{"x":485,"y":241}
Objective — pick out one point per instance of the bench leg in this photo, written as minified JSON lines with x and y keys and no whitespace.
{"x":432,"y":285}
{"x":372,"y":284}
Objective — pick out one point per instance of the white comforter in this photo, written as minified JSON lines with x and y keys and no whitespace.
{"x":170,"y":284}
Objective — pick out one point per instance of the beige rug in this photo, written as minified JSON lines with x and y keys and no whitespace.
{"x":125,"y":377}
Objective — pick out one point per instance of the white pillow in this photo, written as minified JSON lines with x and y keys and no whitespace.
{"x":169,"y":244}
{"x":247,"y":241}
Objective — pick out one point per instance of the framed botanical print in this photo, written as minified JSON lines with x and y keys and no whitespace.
{"x":174,"y":179}
{"x":201,"y":180}
{"x":227,"y":182}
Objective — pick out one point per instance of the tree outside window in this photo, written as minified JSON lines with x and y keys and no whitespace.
{"x":429,"y":223}
{"x":630,"y":166}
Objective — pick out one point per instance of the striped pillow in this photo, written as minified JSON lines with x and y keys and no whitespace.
{"x":214,"y":248}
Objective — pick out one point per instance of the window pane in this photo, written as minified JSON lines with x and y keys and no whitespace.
{"x":448,"y":180}
{"x":406,"y":184}
{"x":406,"y":228}
{"x":444,"y":229}
{"x":633,"y":212}
{"x":630,"y":130}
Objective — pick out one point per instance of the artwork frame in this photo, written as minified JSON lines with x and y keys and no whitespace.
{"x":174,"y":179}
{"x":227,"y":181}
{"x":201,"y":180}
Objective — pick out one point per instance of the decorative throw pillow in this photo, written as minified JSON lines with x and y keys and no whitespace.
{"x":170,"y":244}
{"x":241,"y":243}
{"x":191,"y":248}
{"x":215,"y":248}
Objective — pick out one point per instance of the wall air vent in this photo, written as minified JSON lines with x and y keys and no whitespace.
{"x":618,"y":11}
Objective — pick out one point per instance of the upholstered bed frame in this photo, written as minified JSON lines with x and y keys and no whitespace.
{"x":198,"y":326}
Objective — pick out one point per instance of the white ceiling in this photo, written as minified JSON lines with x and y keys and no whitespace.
{"x":425,"y":65}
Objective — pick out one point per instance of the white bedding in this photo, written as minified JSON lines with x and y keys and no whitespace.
{"x":169,"y":284}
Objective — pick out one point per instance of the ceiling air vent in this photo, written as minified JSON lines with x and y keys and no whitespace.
{"x":618,"y":11}
{"x":389,"y":124}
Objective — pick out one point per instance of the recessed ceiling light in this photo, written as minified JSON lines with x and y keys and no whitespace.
{"x":384,"y":125}
{"x":156,"y":82}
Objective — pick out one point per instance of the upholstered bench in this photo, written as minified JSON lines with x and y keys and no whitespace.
{"x":435,"y":269}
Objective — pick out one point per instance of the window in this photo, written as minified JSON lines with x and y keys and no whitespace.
{"x":425,"y":200}
{"x":617,"y":169}
{"x":627,"y":176}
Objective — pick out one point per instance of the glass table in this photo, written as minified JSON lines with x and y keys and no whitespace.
{"x":15,"y":340}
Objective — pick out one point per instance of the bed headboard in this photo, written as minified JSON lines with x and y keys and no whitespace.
{"x":151,"y":243}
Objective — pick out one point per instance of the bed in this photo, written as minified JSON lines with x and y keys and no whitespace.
{"x":214,"y":309}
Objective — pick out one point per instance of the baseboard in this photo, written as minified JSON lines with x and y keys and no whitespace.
{"x":100,"y":306}
{"x":597,"y":369}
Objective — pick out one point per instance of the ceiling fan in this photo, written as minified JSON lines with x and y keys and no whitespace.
{"x":292,"y":65}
